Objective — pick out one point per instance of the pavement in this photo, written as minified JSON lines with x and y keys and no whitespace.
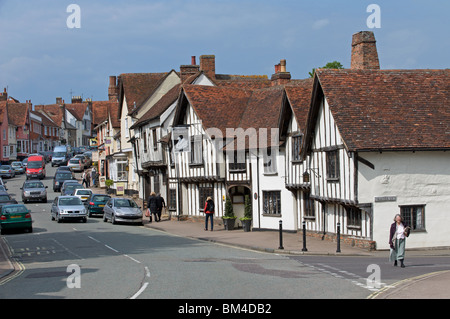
{"x":433,"y":285}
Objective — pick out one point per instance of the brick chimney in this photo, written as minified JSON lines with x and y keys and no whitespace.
{"x":59,"y":100}
{"x":364,"y":51}
{"x":113,"y":89}
{"x":281,"y":76}
{"x":208,"y":65}
{"x":188,"y":70}
{"x":77,"y":99}
{"x":4,"y":95}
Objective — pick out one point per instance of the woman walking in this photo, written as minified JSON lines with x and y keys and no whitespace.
{"x":152,"y":204}
{"x":397,"y":235}
{"x":209,"y":212}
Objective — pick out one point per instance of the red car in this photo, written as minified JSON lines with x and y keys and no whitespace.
{"x":36,"y":167}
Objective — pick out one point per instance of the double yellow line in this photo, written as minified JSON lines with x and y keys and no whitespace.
{"x":19,"y":268}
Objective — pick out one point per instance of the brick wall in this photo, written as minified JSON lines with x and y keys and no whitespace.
{"x":364,"y":51}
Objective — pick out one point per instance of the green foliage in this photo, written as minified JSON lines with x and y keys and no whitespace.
{"x":109,"y":183}
{"x":229,"y":214}
{"x":329,"y":65}
{"x":248,"y":209}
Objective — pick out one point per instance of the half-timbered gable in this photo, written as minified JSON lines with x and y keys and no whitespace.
{"x":369,"y":132}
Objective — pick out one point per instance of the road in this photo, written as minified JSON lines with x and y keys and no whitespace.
{"x":126,"y":261}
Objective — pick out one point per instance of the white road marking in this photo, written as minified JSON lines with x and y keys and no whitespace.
{"x":140,"y":291}
{"x":109,"y":247}
{"x":96,"y":240}
{"x":135,"y":260}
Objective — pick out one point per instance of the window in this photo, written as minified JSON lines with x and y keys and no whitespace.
{"x":197,"y":150}
{"x":296,"y":147}
{"x":237,"y":162}
{"x":272,"y":203}
{"x":332,"y":165}
{"x":308,"y":205}
{"x":144,"y":139}
{"x":155,"y":140}
{"x":270,"y":162}
{"x":353,"y":217}
{"x":4,"y":134}
{"x":156,"y":186}
{"x":414,"y":216}
{"x":122,"y":174}
{"x":204,"y":192}
{"x":172,"y":199}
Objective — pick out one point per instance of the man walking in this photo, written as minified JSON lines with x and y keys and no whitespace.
{"x":160,"y":204}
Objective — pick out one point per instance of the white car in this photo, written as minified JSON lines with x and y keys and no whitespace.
{"x":76,"y":164}
{"x":83,"y":193}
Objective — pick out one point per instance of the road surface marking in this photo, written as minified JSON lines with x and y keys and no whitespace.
{"x":135,"y":260}
{"x":96,"y":240}
{"x":147,"y":272}
{"x":144,"y":286}
{"x":109,"y":247}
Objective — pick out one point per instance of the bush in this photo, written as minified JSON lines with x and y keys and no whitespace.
{"x":229,"y":214}
{"x":109,"y":183}
{"x":248,"y":209}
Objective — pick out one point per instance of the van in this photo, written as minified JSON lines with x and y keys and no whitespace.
{"x":35,"y":167}
{"x":60,"y":156}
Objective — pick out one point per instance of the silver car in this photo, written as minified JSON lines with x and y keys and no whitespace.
{"x":122,"y":210}
{"x":34,"y":190}
{"x":76,"y":164}
{"x":68,"y":208}
{"x":18,"y":167}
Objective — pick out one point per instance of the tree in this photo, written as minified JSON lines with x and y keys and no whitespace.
{"x":329,"y":65}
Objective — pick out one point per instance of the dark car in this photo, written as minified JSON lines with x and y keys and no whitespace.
{"x":60,"y":177}
{"x":68,"y":189}
{"x":15,"y":216}
{"x":96,"y":203}
{"x":6,"y":199}
{"x":64,"y":168}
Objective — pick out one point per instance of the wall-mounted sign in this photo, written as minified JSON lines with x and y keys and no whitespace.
{"x":385,"y":199}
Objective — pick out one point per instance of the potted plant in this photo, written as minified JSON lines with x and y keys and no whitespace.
{"x":229,"y":218}
{"x":109,"y":183}
{"x":247,"y":219}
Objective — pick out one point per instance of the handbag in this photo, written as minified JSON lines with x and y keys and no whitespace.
{"x":147,"y":213}
{"x":407,"y":231}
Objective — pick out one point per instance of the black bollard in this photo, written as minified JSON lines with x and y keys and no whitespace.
{"x":281,"y":235}
{"x":304,"y":237}
{"x":338,"y":250}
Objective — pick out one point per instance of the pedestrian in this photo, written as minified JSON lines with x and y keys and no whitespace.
{"x":397,"y":236}
{"x":152,"y":205}
{"x":209,"y":212}
{"x":83,"y":177}
{"x":93,"y":176}
{"x":160,"y":204}
{"x":88,"y":179}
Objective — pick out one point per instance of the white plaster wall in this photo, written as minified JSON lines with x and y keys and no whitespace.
{"x":419,"y":178}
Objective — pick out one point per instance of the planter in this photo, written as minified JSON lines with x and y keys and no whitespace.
{"x":228,"y":223}
{"x":246,"y":224}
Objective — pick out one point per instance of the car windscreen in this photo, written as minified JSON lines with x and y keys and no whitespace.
{"x":59,"y":154}
{"x":16,"y":164}
{"x":62,"y":176}
{"x":84,"y":192}
{"x":33,"y":185}
{"x":74,"y":161}
{"x":125,"y":203}
{"x":70,"y":201}
{"x":5,"y":167}
{"x":34,"y":164}
{"x":15,"y":209}
{"x":4,"y":198}
{"x":100,"y":198}
{"x":72,"y":186}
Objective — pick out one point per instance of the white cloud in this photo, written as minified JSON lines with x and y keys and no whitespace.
{"x":320,"y":24}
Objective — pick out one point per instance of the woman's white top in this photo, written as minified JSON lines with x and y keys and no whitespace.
{"x":400,"y":231}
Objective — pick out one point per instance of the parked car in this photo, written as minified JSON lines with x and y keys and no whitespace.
{"x":88,"y":156}
{"x":76,"y":164}
{"x":45,"y":156}
{"x":7,"y":171}
{"x":15,"y":216}
{"x":18,"y":167}
{"x":60,"y":177}
{"x":2,"y":182}
{"x":68,"y":208}
{"x":96,"y":203}
{"x":35,"y":167}
{"x":83,"y":194}
{"x":84,"y":159}
{"x":122,"y":210}
{"x":34,"y":190}
{"x":6,"y":199}
{"x":3,"y":188}
{"x":69,"y":188}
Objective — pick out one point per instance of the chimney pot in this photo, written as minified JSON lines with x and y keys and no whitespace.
{"x":193,"y":62}
{"x":283,"y":65}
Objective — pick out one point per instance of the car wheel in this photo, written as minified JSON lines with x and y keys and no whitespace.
{"x":113,"y":219}
{"x":84,"y":220}
{"x":58,"y":220}
{"x":53,"y":218}
{"x":44,"y":200}
{"x":104,"y":218}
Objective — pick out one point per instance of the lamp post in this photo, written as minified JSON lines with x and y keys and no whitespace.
{"x":304,"y":236}
{"x":281,"y":235}
{"x":338,"y":250}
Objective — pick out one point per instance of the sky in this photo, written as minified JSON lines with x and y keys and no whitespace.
{"x":41,"y":58}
